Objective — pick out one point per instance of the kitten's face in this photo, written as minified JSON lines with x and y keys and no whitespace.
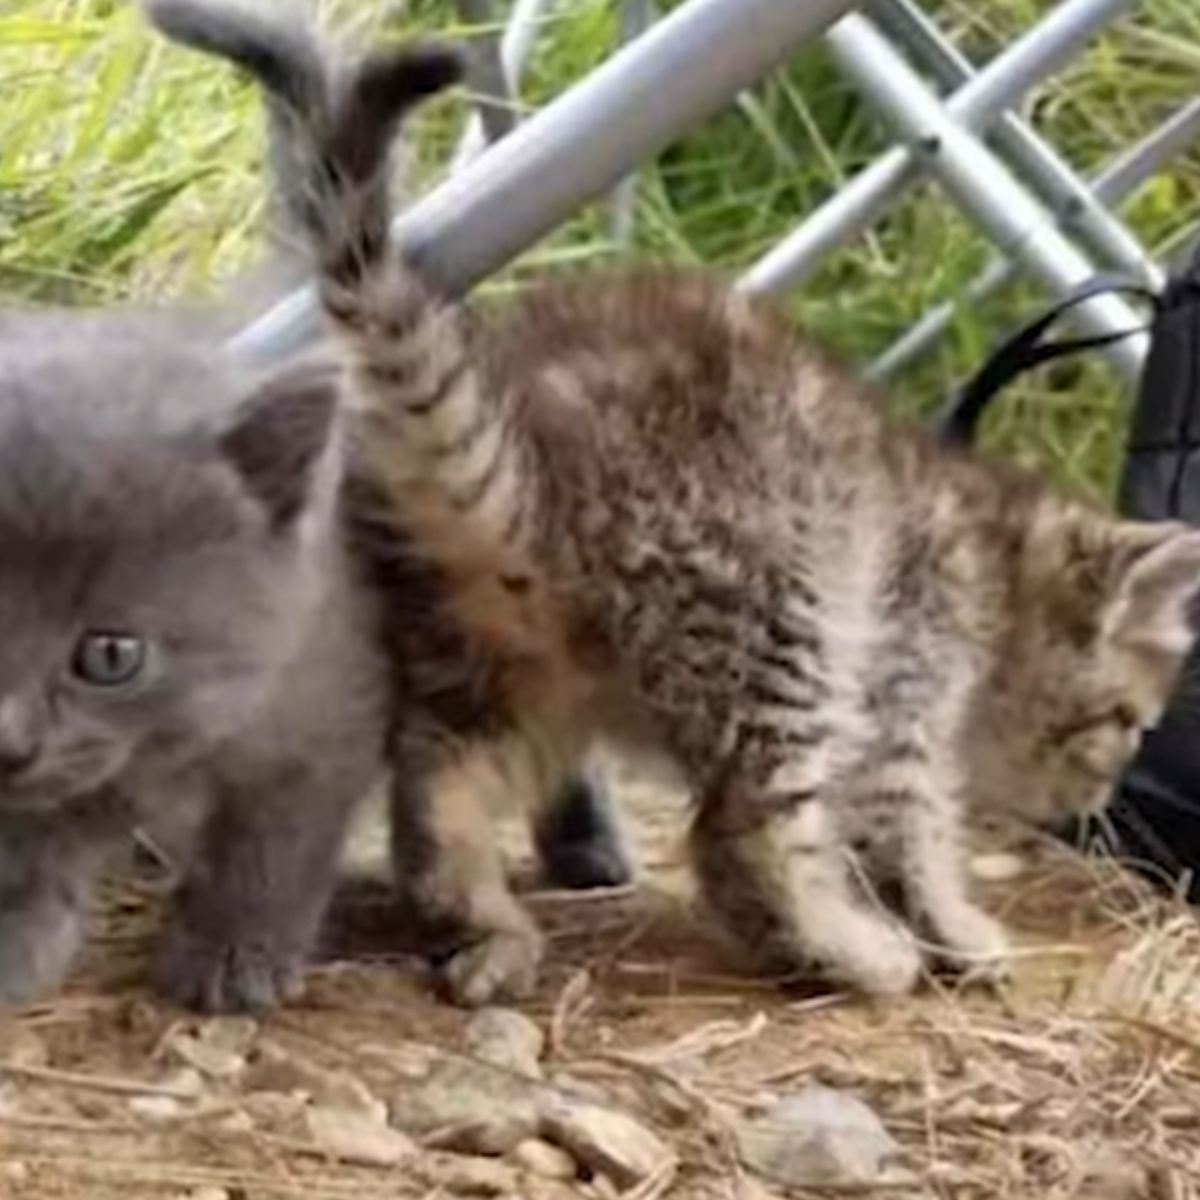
{"x":1100,"y":632}
{"x":152,"y":551}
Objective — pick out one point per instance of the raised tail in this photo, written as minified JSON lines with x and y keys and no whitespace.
{"x":448,"y":451}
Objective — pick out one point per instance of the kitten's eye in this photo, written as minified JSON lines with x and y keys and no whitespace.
{"x":108,"y":660}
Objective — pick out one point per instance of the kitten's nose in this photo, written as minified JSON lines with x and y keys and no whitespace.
{"x":20,"y":738}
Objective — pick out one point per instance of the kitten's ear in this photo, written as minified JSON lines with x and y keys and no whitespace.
{"x":1152,"y":599}
{"x":279,"y":436}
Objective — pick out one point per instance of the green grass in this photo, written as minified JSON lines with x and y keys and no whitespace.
{"x":131,"y":169}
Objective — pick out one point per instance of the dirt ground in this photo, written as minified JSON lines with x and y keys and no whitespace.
{"x":1081,"y":1078}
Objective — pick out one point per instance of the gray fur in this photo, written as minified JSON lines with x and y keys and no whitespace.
{"x":145,"y":488}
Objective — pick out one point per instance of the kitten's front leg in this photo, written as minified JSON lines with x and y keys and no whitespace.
{"x":451,"y":881}
{"x":250,"y":908}
{"x":936,"y":885}
{"x":780,"y":879}
{"x":48,"y":869}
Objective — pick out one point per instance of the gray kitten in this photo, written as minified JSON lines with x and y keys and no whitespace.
{"x":188,"y":580}
{"x":181,"y":625}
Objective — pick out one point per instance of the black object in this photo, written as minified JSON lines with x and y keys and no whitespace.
{"x":1155,"y":815}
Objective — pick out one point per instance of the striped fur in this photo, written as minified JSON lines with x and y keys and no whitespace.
{"x":664,"y":518}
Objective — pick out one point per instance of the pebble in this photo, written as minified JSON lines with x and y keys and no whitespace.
{"x":506,"y":1038}
{"x":275,"y":1068}
{"x":470,"y":1176}
{"x":155,"y":1108}
{"x":350,"y":1135}
{"x":212,"y":1058}
{"x":187,"y":1081}
{"x":275,"y":1110}
{"x":219,"y":1048}
{"x":817,"y":1136}
{"x":541,"y":1158}
{"x":1113,"y":1175}
{"x":239,"y":1123}
{"x":607,"y":1141}
{"x":472,"y":1106}
{"x":234,"y":1035}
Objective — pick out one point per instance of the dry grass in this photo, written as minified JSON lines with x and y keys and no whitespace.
{"x":1080,"y":1079}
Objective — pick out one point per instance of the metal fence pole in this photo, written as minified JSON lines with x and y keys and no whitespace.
{"x":1131,"y":168}
{"x":980,"y":183}
{"x":1037,"y":161}
{"x":516,"y":44}
{"x":578,"y":147}
{"x":636,"y":17}
{"x":994,"y":88}
{"x":488,"y":77}
{"x":1122,"y":176}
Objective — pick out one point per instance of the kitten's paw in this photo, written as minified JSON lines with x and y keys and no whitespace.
{"x":889,"y":965}
{"x":227,"y":976}
{"x":974,"y":943}
{"x":579,"y":837}
{"x":502,"y":966}
{"x":36,"y":949}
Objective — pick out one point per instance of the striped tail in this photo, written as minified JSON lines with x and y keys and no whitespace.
{"x":448,"y":450}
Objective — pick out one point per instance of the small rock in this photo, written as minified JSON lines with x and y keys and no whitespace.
{"x":749,"y":1188}
{"x":16,"y":1172}
{"x":274,"y":1068}
{"x":1113,"y":1175}
{"x":541,"y":1158}
{"x":239,"y":1122}
{"x":155,"y":1108}
{"x":218,"y":1048}
{"x":21,"y":1047}
{"x":187,"y":1081}
{"x":996,"y":868}
{"x":212,"y":1060}
{"x":817,"y":1136}
{"x":607,"y":1141}
{"x":473,"y":1107}
{"x":354,"y":1137}
{"x":234,"y":1035}
{"x":409,"y":1060}
{"x":508,"y":1039}
{"x":275,"y":1110}
{"x":467,"y":1176}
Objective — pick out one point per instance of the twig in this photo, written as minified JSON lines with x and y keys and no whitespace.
{"x":96,"y":1083}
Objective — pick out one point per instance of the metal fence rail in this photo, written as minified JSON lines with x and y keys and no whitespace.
{"x":586,"y":142}
{"x":668,"y":75}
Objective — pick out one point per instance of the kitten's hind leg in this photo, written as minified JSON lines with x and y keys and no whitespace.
{"x":782,"y":883}
{"x":251,"y":905}
{"x":578,"y":834}
{"x":450,"y":876}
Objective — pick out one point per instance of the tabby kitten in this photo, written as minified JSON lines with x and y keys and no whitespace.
{"x":665,"y":518}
